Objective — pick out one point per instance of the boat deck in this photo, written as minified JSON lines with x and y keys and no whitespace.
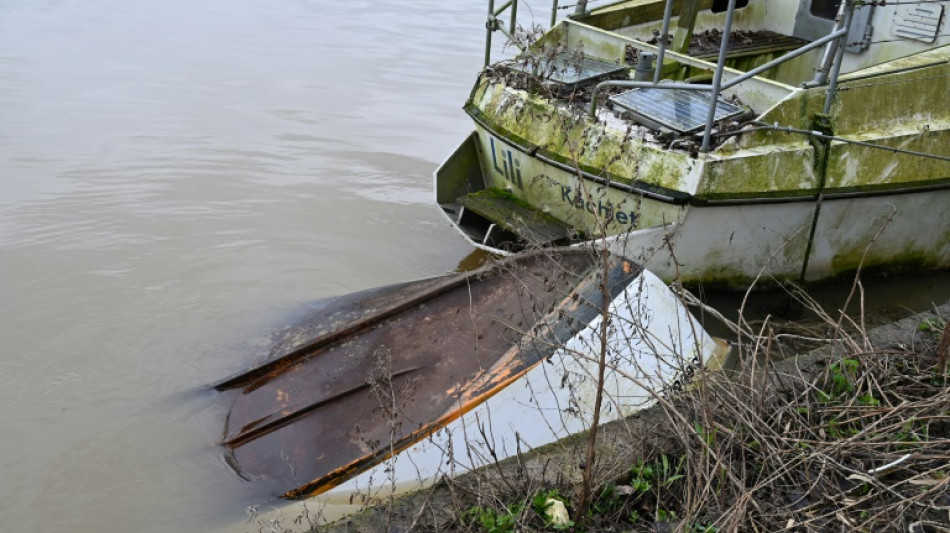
{"x":529,"y":224}
{"x":705,"y":45}
{"x":394,"y":364}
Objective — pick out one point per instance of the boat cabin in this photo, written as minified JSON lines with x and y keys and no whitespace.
{"x":610,"y":57}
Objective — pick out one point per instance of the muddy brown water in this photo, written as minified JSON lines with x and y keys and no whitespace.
{"x":179,"y":180}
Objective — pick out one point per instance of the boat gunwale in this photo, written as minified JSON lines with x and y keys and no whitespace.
{"x":679,"y":198}
{"x":573,"y":317}
{"x":253,"y":373}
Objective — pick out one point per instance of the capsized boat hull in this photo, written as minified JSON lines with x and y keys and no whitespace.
{"x":429,"y":375}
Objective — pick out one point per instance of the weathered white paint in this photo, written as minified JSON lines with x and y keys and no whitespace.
{"x":654,"y":345}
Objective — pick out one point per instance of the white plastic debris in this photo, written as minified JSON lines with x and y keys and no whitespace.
{"x":555,"y":512}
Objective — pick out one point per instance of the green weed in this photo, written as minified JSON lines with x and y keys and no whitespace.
{"x":869,"y":400}
{"x":542,"y":502}
{"x":843,"y":374}
{"x":933,"y":325}
{"x":493,"y":521}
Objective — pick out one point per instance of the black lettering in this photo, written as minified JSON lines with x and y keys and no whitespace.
{"x":566,"y":194}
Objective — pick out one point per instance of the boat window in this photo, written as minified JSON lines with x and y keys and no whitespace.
{"x":719,"y":6}
{"x":826,"y":9}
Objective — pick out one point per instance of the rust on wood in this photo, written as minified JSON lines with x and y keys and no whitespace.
{"x":413,"y":358}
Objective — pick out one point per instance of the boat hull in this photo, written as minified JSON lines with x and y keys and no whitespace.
{"x":410,"y":369}
{"x":406,"y":383}
{"x":554,"y":400}
{"x":727,"y":242}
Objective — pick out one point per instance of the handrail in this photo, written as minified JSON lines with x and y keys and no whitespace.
{"x":494,"y":23}
{"x":783,"y":58}
{"x":840,"y":32}
{"x":727,"y":85}
{"x":664,"y":36}
{"x":841,"y":29}
{"x":828,"y":56}
{"x":839,"y":56}
{"x":717,"y":76}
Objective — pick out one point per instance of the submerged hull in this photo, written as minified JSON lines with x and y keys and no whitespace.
{"x":411,"y":382}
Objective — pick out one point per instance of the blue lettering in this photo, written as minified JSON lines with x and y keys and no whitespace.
{"x":493,"y":159}
{"x":510,"y":167}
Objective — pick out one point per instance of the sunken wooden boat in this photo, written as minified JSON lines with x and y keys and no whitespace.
{"x":413,"y":381}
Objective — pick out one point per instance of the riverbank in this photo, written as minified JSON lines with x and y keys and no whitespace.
{"x":855,"y":434}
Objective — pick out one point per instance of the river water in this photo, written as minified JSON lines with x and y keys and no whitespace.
{"x":178,"y":179}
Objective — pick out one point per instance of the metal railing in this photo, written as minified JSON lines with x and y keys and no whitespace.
{"x":831,"y":60}
{"x":829,"y":66}
{"x":494,"y":23}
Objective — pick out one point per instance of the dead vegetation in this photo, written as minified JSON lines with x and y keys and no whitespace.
{"x":854,"y":436}
{"x":860,"y":441}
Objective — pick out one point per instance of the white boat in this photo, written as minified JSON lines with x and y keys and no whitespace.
{"x":717,"y":142}
{"x":403,"y":384}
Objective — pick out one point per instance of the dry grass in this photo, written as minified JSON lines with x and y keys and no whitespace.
{"x":854,"y":437}
{"x":862,"y":445}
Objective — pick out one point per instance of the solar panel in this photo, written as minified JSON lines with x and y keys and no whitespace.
{"x":677,"y":109}
{"x":570,"y":70}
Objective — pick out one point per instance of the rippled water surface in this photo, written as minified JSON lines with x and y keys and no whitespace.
{"x":177,"y":180}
